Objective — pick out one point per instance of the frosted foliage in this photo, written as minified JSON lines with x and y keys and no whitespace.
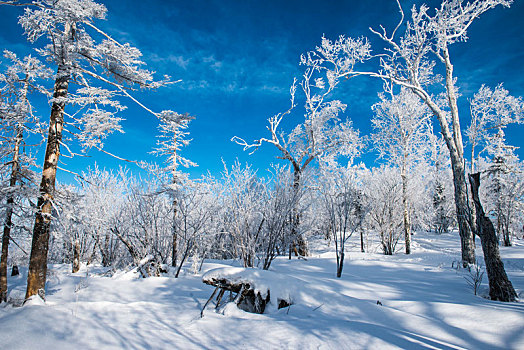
{"x":452,"y":20}
{"x":491,"y":112}
{"x":102,"y":68}
{"x":402,"y":125}
{"x":19,"y":80}
{"x":383,"y":188}
{"x":173,"y":137}
{"x":323,"y":134}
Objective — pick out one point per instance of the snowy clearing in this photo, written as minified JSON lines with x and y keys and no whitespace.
{"x":425,"y":303}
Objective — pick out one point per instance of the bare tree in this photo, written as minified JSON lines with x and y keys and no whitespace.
{"x":384,"y":194}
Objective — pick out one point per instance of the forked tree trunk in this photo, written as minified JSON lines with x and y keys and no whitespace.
{"x":500,"y":287}
{"x":8,"y":217}
{"x":36,"y":275}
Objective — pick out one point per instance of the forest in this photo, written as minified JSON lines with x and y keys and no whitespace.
{"x":316,"y":233}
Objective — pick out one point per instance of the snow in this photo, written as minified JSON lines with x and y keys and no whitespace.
{"x":425,"y":304}
{"x":283,"y":287}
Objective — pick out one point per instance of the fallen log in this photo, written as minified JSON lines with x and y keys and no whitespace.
{"x":253,"y":288}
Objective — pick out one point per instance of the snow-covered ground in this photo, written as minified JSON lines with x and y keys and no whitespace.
{"x":425,"y":304}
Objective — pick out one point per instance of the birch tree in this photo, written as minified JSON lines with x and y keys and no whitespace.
{"x":402,"y":133}
{"x":410,"y":60}
{"x":92,"y":71}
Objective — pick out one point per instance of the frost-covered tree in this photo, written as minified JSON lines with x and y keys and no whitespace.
{"x":92,"y":70}
{"x":173,"y":136}
{"x":384,"y":192}
{"x":278,"y":205}
{"x":197,"y":219}
{"x":243,"y":217}
{"x":343,"y":206}
{"x":322,"y":134}
{"x":403,"y":129}
{"x":18,"y":122}
{"x":491,"y":112}
{"x":410,"y":59}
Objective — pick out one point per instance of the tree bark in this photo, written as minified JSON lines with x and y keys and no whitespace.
{"x":362,"y":240}
{"x":10,"y":200}
{"x":174,"y":234}
{"x":455,"y":146}
{"x":36,"y":276}
{"x":8,"y":217}
{"x":463,"y":214}
{"x":76,"y":257}
{"x":407,"y":223}
{"x":500,"y":287}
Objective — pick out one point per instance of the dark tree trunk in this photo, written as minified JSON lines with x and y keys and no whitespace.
{"x":8,"y":219}
{"x":406,"y":218}
{"x":10,"y":203}
{"x":500,"y":287}
{"x":76,"y":257}
{"x":340,"y":264}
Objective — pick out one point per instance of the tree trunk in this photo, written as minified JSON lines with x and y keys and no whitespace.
{"x":463,"y":214}
{"x":36,"y":275}
{"x":456,"y":151}
{"x":8,"y":217}
{"x":76,"y":257}
{"x":362,"y":240}
{"x":174,"y":234}
{"x":407,"y":223}
{"x":299,"y":242}
{"x":340,"y":263}
{"x":457,"y":162}
{"x":10,"y":202}
{"x":500,"y":287}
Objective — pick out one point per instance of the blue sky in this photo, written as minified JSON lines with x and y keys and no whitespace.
{"x":236,"y":60}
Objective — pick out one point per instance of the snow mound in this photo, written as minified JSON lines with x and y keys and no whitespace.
{"x":34,"y":300}
{"x":278,"y":286}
